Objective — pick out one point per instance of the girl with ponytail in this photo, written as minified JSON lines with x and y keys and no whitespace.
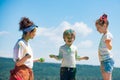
{"x":23,"y":55}
{"x":105,"y":47}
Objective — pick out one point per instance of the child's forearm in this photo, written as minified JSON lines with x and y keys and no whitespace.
{"x":39,"y":60}
{"x":109,"y":46}
{"x":56,"y":57}
{"x":83,"y":58}
{"x":21,"y":61}
{"x":99,"y":55}
{"x":78,"y":58}
{"x":36,"y":60}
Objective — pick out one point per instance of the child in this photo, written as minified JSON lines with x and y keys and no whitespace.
{"x":23,"y":55}
{"x":105,"y":47}
{"x":68,"y":54}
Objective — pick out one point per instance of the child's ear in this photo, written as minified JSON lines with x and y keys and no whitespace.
{"x":27,"y":33}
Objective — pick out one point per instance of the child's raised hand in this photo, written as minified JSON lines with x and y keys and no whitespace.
{"x":51,"y":56}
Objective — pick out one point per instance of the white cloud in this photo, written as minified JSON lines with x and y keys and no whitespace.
{"x":55,"y":34}
{"x":50,"y":34}
{"x":3,"y":33}
{"x":82,"y":28}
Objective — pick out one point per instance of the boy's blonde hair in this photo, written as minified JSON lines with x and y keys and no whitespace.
{"x":69,"y":32}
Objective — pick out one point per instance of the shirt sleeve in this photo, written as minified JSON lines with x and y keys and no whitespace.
{"x":18,"y":52}
{"x":60,"y":56}
{"x":108,"y":37}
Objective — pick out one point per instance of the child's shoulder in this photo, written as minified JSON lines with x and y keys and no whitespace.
{"x":73,"y":46}
{"x":20,"y":42}
{"x":63,"y":46}
{"x":108,"y":35}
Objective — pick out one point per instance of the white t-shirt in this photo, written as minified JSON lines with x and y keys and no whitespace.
{"x":105,"y":53}
{"x":68,"y":56}
{"x":21,"y":49}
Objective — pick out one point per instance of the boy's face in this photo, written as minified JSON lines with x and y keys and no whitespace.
{"x":69,"y":39}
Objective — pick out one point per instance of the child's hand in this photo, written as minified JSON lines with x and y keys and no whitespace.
{"x":41,"y":60}
{"x":86,"y":58}
{"x":51,"y":56}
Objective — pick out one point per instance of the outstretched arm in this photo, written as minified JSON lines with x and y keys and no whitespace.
{"x":39,"y":60}
{"x":36,"y":60}
{"x":84,"y":58}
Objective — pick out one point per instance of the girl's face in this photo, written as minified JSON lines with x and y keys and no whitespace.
{"x":101,"y":29}
{"x":69,"y":39}
{"x":32,"y":34}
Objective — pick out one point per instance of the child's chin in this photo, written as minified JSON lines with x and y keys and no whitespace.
{"x":32,"y":37}
{"x":70,"y":43}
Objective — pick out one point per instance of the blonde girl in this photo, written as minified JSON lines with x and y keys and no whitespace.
{"x":105,"y":47}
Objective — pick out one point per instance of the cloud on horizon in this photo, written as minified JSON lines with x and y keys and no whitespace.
{"x":3,"y":33}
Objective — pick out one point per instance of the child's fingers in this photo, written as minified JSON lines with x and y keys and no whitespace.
{"x":86,"y":58}
{"x":51,"y":55}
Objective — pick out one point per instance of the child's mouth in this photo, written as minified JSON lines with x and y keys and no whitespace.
{"x":69,"y":41}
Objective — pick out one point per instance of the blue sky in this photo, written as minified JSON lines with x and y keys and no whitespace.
{"x":53,"y":17}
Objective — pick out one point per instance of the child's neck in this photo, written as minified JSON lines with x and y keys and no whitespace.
{"x":105,"y":32}
{"x":68,"y":45}
{"x":25,"y":38}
